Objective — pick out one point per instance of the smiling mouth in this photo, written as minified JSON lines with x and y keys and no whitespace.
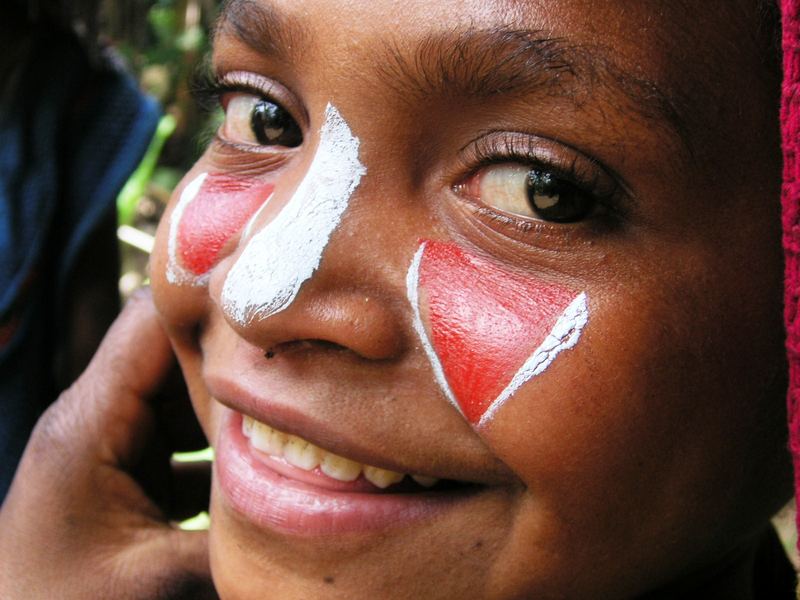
{"x":282,"y":449}
{"x":284,"y":483}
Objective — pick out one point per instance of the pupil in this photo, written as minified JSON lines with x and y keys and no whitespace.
{"x":273,"y":126}
{"x":554,"y":199}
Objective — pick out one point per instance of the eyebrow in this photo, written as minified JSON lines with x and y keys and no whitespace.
{"x":507,"y":61}
{"x":263,"y":28}
{"x":479,"y":63}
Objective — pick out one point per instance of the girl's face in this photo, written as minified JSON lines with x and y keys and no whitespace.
{"x":482,"y":299}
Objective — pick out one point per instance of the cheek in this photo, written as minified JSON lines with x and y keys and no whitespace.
{"x":219,"y":208}
{"x":491,"y":329}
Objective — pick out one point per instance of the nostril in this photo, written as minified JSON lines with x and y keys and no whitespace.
{"x":302,"y":345}
{"x":324,"y":320}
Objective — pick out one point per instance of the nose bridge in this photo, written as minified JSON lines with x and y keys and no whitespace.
{"x":286,"y":252}
{"x":282,"y":257}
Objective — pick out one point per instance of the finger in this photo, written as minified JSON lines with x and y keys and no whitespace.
{"x":70,"y":471}
{"x":136,"y":349}
{"x":105,"y":414}
{"x":188,"y":552}
{"x":173,"y":564}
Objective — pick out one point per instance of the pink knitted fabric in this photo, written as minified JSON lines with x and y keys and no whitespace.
{"x":790,"y":122}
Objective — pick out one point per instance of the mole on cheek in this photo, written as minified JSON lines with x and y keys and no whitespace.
{"x":220,"y":208}
{"x":491,"y":329}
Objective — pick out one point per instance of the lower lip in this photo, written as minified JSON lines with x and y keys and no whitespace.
{"x":289,"y":506}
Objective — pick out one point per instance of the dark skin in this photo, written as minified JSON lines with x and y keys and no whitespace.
{"x":667,"y":419}
{"x":644,"y":463}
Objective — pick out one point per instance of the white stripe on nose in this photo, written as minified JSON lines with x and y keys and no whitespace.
{"x":279,"y":258}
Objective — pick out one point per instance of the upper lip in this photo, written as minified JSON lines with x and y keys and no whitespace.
{"x":398,"y":441}
{"x":289,"y":420}
{"x":286,"y":418}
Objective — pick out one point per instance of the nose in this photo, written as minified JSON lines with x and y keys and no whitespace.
{"x":322,"y":318}
{"x":300,"y":277}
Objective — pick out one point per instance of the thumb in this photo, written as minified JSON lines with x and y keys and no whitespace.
{"x":172,"y":564}
{"x":73,"y":500}
{"x":104,"y":415}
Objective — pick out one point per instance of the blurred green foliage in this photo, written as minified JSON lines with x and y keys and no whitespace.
{"x":164,"y":43}
{"x":146,"y":174}
{"x":165,"y":48}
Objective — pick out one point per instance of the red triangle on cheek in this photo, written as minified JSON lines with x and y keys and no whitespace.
{"x":223,"y":206}
{"x":485,"y":321}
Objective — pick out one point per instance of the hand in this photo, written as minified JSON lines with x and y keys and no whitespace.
{"x":77,"y":522}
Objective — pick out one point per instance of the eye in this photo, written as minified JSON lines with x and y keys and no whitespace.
{"x":250,"y":119}
{"x":530,"y":192}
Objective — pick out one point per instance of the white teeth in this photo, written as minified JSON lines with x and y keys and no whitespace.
{"x":302,"y":454}
{"x":382,"y":478}
{"x":339,"y":467}
{"x":247,"y":426}
{"x":425,"y":481}
{"x":305,"y":455}
{"x":267,"y":440}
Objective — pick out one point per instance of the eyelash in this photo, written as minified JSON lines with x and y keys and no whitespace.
{"x":585,"y":174}
{"x":208,"y":88}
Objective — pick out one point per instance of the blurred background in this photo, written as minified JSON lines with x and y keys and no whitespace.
{"x":97,"y":127}
{"x":164,"y":44}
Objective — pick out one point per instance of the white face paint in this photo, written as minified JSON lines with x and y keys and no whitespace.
{"x":278,"y":259}
{"x":176,"y":274}
{"x":248,"y":229}
{"x":450,"y":297}
{"x":412,"y":292}
{"x":564,"y":335}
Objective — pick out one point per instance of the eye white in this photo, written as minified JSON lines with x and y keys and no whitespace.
{"x":238,"y":119}
{"x":505,"y":188}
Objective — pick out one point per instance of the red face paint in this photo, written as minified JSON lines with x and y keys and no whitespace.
{"x":222,"y":206}
{"x":488,"y":323}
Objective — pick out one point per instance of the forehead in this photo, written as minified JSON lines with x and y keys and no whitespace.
{"x":657,"y":57}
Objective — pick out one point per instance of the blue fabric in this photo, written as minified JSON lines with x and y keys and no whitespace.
{"x":70,"y":136}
